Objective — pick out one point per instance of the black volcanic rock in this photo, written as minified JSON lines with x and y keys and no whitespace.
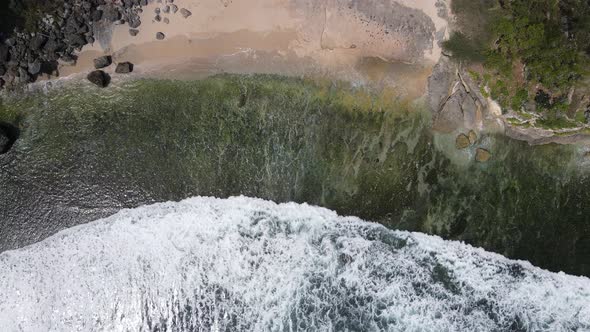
{"x":124,"y":68}
{"x":37,"y":42}
{"x":3,"y":53}
{"x":160,"y":36}
{"x":99,"y":78}
{"x":34,"y":67}
{"x":103,"y":61}
{"x":111,"y":14}
{"x":96,"y":15}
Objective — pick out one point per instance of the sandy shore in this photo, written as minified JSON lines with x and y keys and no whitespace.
{"x":383,"y":41}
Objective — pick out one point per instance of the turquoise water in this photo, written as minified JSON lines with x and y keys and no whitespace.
{"x":84,"y":153}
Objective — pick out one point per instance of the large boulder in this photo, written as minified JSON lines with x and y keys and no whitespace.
{"x":111,"y":14}
{"x":103,"y":61}
{"x":96,"y":15}
{"x":99,"y":78}
{"x":37,"y":42}
{"x":133,"y":32}
{"x":53,"y":45}
{"x":160,"y":36}
{"x":134,"y":22}
{"x":76,"y":40}
{"x":34,"y":67}
{"x":124,"y":68}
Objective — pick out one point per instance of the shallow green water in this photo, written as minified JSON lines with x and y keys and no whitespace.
{"x":84,"y":153}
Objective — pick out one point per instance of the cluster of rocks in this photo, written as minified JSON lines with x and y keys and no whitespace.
{"x":60,"y":34}
{"x":168,"y":7}
{"x":464,"y":141}
{"x":99,"y":77}
{"x":24,"y":56}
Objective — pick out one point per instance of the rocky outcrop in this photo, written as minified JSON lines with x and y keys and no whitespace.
{"x":455,"y":101}
{"x":24,"y":56}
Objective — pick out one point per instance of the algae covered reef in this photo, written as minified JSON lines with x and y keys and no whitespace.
{"x":84,"y":154}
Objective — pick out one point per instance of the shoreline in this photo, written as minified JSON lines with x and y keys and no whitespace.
{"x":273,"y":37}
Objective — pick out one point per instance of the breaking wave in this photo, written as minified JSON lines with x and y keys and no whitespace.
{"x":242,"y":264}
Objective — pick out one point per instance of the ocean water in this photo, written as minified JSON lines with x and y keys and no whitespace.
{"x":85,"y":153}
{"x":243,"y":264}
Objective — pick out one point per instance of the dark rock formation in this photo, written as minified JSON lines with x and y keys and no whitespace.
{"x":99,"y":78}
{"x":160,"y":36}
{"x":37,"y":42}
{"x":133,"y":32}
{"x":111,"y":14}
{"x":135,"y":22}
{"x":96,"y":15}
{"x":124,"y":68}
{"x":103,"y":61}
{"x":70,"y":26}
{"x":34,"y":67}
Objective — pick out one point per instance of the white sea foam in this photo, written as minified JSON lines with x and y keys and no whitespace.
{"x":243,"y":264}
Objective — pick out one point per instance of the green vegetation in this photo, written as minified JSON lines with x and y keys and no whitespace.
{"x":528,"y":47}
